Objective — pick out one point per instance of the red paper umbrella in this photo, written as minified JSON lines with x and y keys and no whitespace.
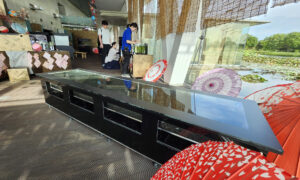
{"x":95,"y":51}
{"x":264,"y":95}
{"x":156,"y":71}
{"x":4,"y":29}
{"x":282,"y":111}
{"x":219,"y":160}
{"x":37,"y":47}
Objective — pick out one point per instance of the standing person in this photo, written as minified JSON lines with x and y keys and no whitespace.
{"x":104,"y":38}
{"x":126,"y":47}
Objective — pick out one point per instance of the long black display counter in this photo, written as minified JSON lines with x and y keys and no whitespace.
{"x":153,"y":119}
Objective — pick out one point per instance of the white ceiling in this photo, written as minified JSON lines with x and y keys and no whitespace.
{"x":110,"y":5}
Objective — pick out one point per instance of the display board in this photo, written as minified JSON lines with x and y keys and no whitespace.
{"x":17,"y":59}
{"x":36,"y":27}
{"x":91,"y":35}
{"x":34,"y":62}
{"x":41,"y":38}
{"x":61,"y":40}
{"x":49,"y":61}
{"x":19,"y":74}
{"x":20,"y":42}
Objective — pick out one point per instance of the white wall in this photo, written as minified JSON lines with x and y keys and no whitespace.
{"x":180,"y":57}
{"x":49,"y":7}
{"x":167,"y":45}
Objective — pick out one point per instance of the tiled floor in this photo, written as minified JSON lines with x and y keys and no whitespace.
{"x":92,"y":62}
{"x":20,"y":93}
{"x":37,"y":142}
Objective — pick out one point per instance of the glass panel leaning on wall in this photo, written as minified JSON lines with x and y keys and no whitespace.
{"x":257,"y":50}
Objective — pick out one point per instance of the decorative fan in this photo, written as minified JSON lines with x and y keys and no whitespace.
{"x":19,"y":28}
{"x":12,"y":13}
{"x":4,"y":29}
{"x":156,"y":71}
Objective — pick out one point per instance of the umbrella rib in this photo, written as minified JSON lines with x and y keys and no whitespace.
{"x":292,"y":131}
{"x":292,"y":100}
{"x":293,"y":89}
{"x":284,"y":125}
{"x":298,"y":167}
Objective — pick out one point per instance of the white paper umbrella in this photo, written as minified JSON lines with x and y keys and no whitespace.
{"x":156,"y":71}
{"x":219,"y":81}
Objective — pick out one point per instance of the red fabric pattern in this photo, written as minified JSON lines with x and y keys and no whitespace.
{"x":281,"y":107}
{"x":219,"y":160}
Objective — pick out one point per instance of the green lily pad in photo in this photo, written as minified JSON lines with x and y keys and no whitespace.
{"x":253,"y":78}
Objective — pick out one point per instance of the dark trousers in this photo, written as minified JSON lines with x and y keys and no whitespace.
{"x":112,"y":65}
{"x":104,"y":52}
{"x":126,"y":62}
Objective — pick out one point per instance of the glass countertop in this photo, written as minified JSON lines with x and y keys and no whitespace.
{"x":238,"y":118}
{"x":219,"y":109}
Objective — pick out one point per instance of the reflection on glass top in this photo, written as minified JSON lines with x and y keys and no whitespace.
{"x":207,"y":106}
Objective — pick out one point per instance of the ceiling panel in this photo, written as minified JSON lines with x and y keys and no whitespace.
{"x":82,"y":5}
{"x":110,"y":5}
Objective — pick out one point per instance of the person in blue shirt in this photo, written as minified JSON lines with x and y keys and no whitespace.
{"x":126,"y":47}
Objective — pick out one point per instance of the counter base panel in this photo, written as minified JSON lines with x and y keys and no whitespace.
{"x":156,"y":136}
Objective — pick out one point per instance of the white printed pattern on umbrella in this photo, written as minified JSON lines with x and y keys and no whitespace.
{"x":273,"y":95}
{"x":2,"y":65}
{"x":277,"y":97}
{"x":263,"y":95}
{"x":219,"y":160}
